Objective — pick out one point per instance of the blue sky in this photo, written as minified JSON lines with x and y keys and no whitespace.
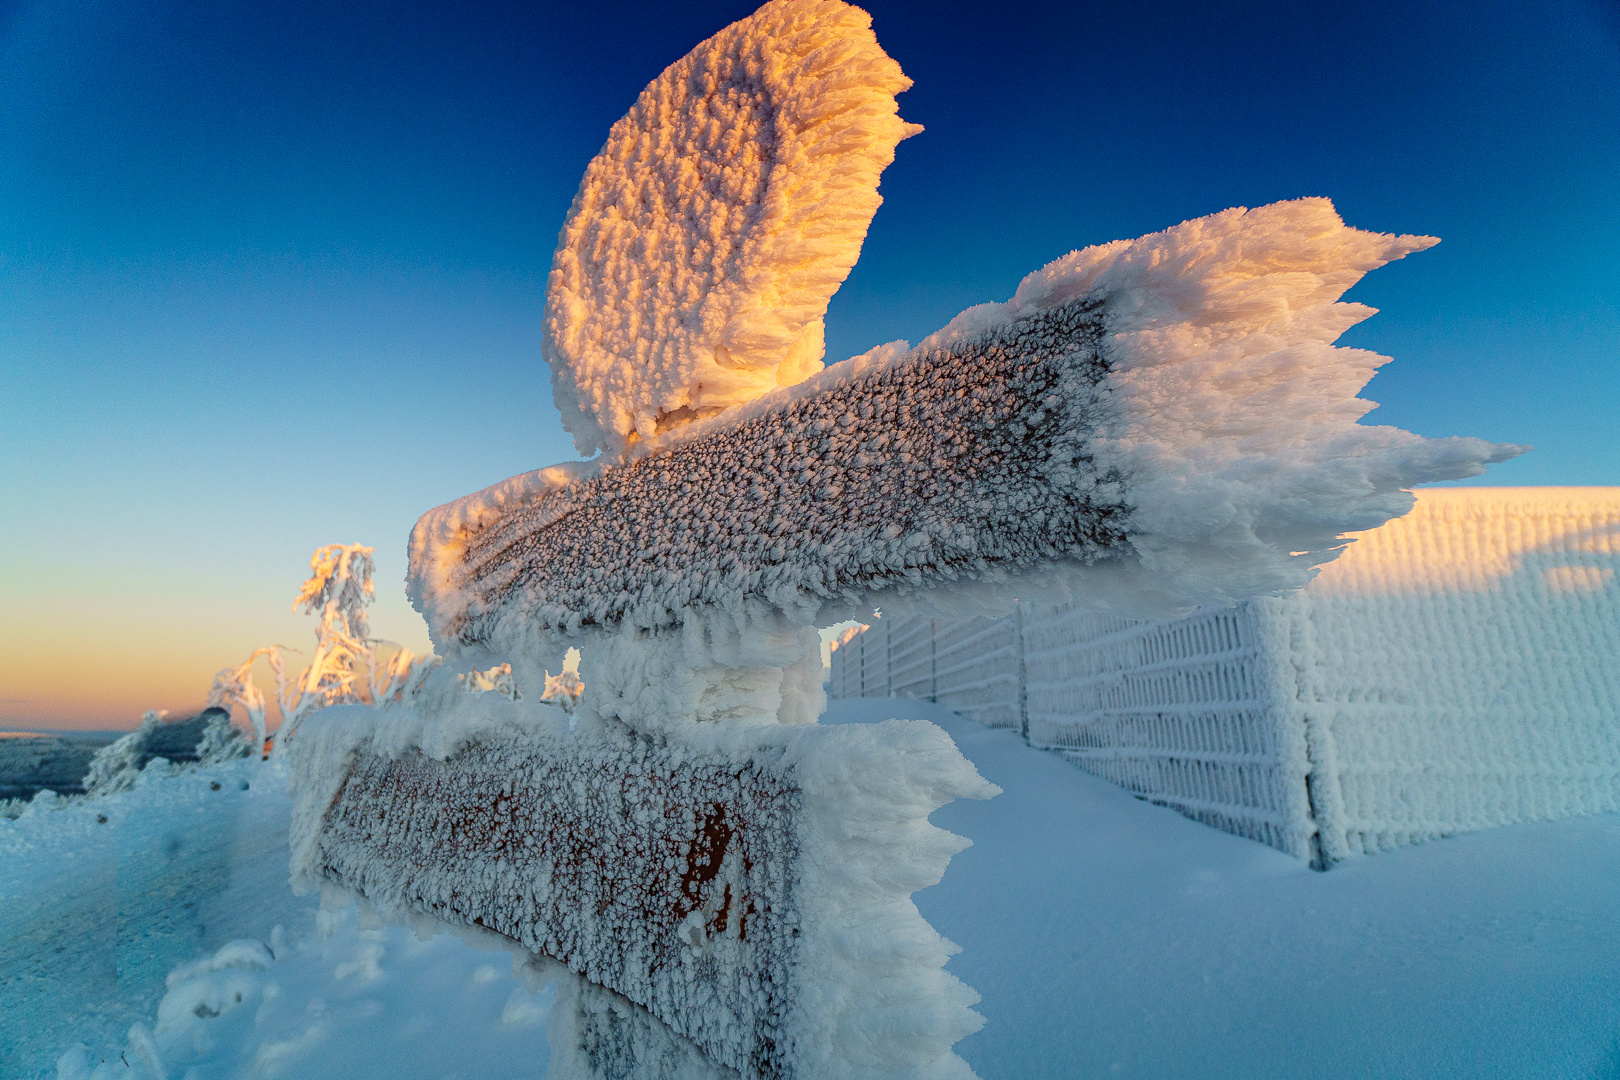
{"x":271,"y":274}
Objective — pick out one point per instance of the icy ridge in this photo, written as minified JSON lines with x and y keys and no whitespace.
{"x":725,"y":209}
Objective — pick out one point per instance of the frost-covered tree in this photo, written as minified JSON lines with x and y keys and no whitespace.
{"x":234,"y":687}
{"x":221,"y":742}
{"x":497,"y":680}
{"x":564,"y":690}
{"x":116,"y":765}
{"x":344,"y":669}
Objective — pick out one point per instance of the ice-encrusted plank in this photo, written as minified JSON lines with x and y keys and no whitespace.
{"x":659,"y":872}
{"x":918,"y":470}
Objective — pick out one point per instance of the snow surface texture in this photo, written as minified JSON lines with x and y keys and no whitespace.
{"x":1152,"y":425}
{"x":100,"y":898}
{"x":345,"y":1001}
{"x":726,"y":208}
{"x":1109,"y":937}
{"x":1455,"y":669}
{"x":748,"y":884}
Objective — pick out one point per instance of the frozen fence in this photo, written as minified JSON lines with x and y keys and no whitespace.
{"x":1455,"y":669}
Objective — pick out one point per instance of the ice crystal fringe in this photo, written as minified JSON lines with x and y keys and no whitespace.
{"x":1148,"y":425}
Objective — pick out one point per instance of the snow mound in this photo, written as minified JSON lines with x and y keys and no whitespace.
{"x":725,"y":209}
{"x":354,"y":1000}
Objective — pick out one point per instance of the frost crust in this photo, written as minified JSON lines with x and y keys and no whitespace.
{"x":725,"y":209}
{"x":901,"y":470}
{"x":1236,"y":430}
{"x":1146,"y":426}
{"x":749,"y":885}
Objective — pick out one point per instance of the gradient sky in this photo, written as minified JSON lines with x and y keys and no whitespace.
{"x":271,"y":274}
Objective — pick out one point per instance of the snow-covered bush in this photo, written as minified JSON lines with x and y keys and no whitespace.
{"x":221,"y":741}
{"x":497,"y":680}
{"x":345,"y":669}
{"x":115,"y":766}
{"x":564,"y":690}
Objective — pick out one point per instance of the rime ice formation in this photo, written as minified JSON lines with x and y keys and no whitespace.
{"x":1235,"y":433}
{"x":747,"y":884}
{"x":1155,"y":424}
{"x":912,"y":469}
{"x":726,"y":208}
{"x":1145,"y":427}
{"x":1455,"y":669}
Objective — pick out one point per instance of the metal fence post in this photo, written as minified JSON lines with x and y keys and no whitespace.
{"x":1023,"y":675}
{"x":933,"y":665}
{"x":888,"y":655}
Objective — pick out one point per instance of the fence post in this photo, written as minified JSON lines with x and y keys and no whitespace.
{"x":933,"y":665}
{"x":888,"y":656}
{"x":861,"y":637}
{"x":1023,"y":676}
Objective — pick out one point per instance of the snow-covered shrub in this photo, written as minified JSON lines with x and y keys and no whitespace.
{"x":564,"y":690}
{"x":345,"y":669}
{"x":234,"y":687}
{"x":497,"y":680}
{"x":115,"y":766}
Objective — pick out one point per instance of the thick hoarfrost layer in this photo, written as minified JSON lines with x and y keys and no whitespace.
{"x":909,"y":470}
{"x":1236,"y":433}
{"x":726,"y":208}
{"x":596,"y":1033}
{"x":831,"y":974}
{"x":752,"y":667}
{"x":440,"y":538}
{"x":1152,"y":425}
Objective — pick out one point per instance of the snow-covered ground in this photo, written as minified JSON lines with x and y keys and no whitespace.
{"x":94,"y":914}
{"x":1108,"y":937}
